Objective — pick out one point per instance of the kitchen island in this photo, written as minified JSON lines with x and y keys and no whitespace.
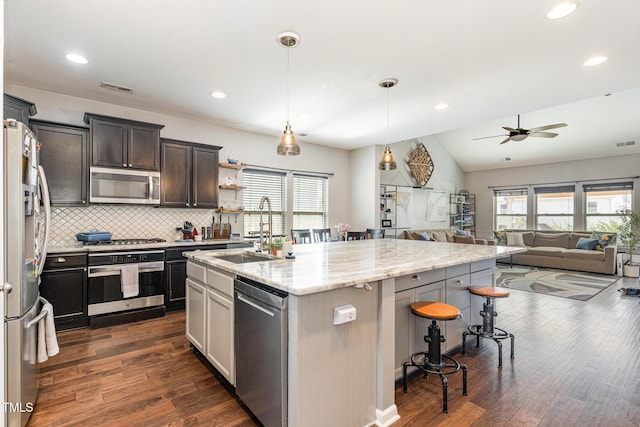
{"x":344,"y":374}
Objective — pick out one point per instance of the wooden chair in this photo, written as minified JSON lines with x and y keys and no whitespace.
{"x":356,"y":235}
{"x":321,"y":235}
{"x":300,"y":237}
{"x":375,"y":233}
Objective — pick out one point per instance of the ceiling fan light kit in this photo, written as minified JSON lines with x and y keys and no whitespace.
{"x":288,"y":145}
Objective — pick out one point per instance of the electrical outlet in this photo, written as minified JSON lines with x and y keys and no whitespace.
{"x":344,"y":314}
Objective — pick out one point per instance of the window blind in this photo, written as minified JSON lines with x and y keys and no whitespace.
{"x":258,"y":184}
{"x":511,"y":192}
{"x":612,"y":186}
{"x":552,"y":190}
{"x":309,"y":201}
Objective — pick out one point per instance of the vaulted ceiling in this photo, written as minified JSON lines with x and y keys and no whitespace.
{"x":489,"y":61}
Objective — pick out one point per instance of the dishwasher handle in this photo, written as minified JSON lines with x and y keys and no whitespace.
{"x":254,"y":305}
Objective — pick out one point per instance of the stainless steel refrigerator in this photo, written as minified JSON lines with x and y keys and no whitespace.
{"x":25,"y":230}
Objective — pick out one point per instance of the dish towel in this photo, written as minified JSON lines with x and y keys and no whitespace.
{"x":47,"y":340}
{"x":129,"y":280}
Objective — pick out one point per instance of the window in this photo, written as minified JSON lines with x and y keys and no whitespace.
{"x":554,"y":207}
{"x":510,"y":207}
{"x":602,"y":203}
{"x":260,"y":183}
{"x":309,"y":201}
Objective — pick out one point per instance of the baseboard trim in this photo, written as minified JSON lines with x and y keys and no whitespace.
{"x":387,"y":416}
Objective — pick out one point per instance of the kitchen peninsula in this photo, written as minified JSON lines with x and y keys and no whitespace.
{"x":343,"y":374}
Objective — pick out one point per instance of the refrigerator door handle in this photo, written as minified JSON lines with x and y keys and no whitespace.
{"x":41,"y":315}
{"x":46,"y":201}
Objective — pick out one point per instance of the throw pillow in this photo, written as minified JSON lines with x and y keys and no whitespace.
{"x":515,"y":239}
{"x":464,"y":239}
{"x":604,"y":239}
{"x":424,"y":236}
{"x":501,"y":237}
{"x":439,"y":236}
{"x":586,"y":244}
{"x":463,"y":233}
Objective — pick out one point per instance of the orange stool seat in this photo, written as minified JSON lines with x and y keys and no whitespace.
{"x":435,"y":310}
{"x":489,"y":291}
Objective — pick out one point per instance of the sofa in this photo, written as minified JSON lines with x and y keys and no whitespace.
{"x":442,"y":235}
{"x":570,"y":250}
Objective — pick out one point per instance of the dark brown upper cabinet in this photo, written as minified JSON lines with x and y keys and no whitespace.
{"x":189,"y":174}
{"x":121,"y":143}
{"x":64,"y":156}
{"x":18,"y":109}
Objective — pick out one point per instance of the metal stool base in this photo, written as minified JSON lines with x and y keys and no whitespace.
{"x":497,"y":335}
{"x":441,"y":369}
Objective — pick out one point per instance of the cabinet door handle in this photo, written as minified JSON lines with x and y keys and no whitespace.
{"x":124,"y":165}
{"x":129,"y":164}
{"x":187,"y":204}
{"x":460,"y":282}
{"x":415,"y":277}
{"x":195,"y":204}
{"x":60,"y":259}
{"x":84,"y":202}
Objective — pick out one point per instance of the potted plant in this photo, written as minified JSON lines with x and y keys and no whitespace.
{"x":629,"y":234}
{"x":276,"y":246}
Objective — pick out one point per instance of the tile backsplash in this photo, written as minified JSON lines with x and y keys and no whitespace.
{"x":129,"y":221}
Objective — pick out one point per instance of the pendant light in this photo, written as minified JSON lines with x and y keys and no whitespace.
{"x":288,"y":145}
{"x":387,"y":163}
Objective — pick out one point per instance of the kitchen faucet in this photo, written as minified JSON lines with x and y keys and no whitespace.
{"x":270,"y":220}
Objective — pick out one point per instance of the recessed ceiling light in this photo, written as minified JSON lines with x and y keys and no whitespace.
{"x":561,"y":10}
{"x":442,"y":106}
{"x":219,"y":95}
{"x":78,"y":59}
{"x":595,"y":61}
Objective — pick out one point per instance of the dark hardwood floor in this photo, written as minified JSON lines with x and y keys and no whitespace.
{"x":577,"y":363}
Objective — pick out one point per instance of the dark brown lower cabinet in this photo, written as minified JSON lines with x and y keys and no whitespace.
{"x":64,"y":285}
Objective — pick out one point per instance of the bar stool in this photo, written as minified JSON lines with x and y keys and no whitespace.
{"x":431,"y":362}
{"x":488,"y":329}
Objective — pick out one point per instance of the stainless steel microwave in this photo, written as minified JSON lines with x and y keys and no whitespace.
{"x":108,"y":185}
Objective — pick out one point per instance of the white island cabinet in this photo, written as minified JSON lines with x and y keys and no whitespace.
{"x":344,"y":374}
{"x":210,"y":315}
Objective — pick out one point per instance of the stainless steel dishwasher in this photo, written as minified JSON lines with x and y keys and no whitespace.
{"x":261,"y":350}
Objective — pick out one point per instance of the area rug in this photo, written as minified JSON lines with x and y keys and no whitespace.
{"x":559,"y":283}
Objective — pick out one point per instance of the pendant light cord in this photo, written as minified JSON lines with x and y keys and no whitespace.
{"x":288,"y":49}
{"x":387,"y":115}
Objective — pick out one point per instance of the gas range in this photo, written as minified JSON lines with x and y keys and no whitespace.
{"x":116,"y":242}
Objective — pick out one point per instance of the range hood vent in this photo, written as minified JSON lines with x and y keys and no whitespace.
{"x":625,"y":144}
{"x":116,"y":87}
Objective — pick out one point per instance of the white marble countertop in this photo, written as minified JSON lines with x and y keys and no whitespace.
{"x":79,"y":247}
{"x":325,"y":266}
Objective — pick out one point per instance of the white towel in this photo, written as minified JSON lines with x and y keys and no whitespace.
{"x":47,"y":340}
{"x":129,"y":280}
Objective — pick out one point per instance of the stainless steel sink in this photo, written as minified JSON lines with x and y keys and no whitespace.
{"x":244,"y":258}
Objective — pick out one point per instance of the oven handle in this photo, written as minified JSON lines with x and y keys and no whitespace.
{"x":114,"y":270}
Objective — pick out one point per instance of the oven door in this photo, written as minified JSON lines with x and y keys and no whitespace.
{"x":105,"y":288}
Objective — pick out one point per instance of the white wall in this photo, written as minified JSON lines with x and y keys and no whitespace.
{"x":363,"y":190}
{"x":251,"y":148}
{"x":562,"y":172}
{"x":3,"y":344}
{"x":447,"y":177}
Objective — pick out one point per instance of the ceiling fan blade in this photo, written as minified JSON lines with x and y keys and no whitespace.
{"x":543,"y":134}
{"x":547,"y":127}
{"x":506,"y":140}
{"x":486,"y":137}
{"x":508,"y":129}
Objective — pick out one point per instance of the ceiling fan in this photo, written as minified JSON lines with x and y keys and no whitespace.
{"x":520,"y":134}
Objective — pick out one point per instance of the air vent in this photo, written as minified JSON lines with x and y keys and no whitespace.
{"x":625,"y":144}
{"x":507,"y":159}
{"x":115,"y":87}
